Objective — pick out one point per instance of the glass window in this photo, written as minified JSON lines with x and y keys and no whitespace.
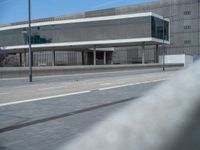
{"x":160,"y":28}
{"x":187,"y":42}
{"x":187,"y":13}
{"x":187,"y":27}
{"x":127,"y":28}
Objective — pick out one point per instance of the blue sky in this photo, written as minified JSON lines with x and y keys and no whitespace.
{"x":16,"y":10}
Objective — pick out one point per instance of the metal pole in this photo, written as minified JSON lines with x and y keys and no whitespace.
{"x":163,"y":45}
{"x":30,"y":51}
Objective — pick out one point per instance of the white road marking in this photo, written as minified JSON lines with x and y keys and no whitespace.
{"x":114,"y":87}
{"x":44,"y":98}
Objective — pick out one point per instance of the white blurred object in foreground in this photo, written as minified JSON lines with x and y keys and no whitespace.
{"x":168,"y":118}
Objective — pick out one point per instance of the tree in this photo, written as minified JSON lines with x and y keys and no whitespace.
{"x":3,"y":55}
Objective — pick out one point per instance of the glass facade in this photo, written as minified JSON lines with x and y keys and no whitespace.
{"x":127,"y":28}
{"x":158,"y":25}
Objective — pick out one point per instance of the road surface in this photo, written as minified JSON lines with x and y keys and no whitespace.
{"x":53,"y":110}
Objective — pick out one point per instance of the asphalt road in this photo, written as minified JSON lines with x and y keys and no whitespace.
{"x":48,"y":124}
{"x":45,"y":115}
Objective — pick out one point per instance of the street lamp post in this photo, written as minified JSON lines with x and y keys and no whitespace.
{"x":29,"y":42}
{"x":163,"y":45}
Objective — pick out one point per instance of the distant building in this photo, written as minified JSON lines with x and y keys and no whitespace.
{"x":117,"y":36}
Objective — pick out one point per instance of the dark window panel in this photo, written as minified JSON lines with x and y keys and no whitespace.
{"x":158,"y":25}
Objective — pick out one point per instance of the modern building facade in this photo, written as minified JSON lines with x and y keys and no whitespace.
{"x":116,"y":35}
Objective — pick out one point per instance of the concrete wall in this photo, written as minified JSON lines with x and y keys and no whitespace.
{"x":177,"y":59}
{"x":184,"y":26}
{"x":13,"y":72}
{"x":184,"y":17}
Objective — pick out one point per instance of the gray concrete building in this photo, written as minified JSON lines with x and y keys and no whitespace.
{"x":184,"y":37}
{"x":184,"y":26}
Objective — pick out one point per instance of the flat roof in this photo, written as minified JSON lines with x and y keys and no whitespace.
{"x":57,"y":22}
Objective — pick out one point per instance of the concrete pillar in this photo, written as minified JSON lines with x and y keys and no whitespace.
{"x":104,"y":58}
{"x":143,"y":59}
{"x":20,"y":59}
{"x":24,"y":58}
{"x":111,"y":57}
{"x":156,"y":54}
{"x":53,"y":58}
{"x":94,"y":57}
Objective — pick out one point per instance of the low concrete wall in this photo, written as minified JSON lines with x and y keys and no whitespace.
{"x":13,"y":72}
{"x":187,"y":60}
